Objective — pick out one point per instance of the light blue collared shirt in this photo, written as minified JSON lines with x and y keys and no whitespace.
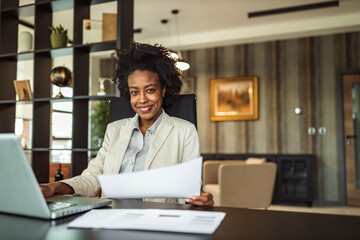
{"x":135,"y":155}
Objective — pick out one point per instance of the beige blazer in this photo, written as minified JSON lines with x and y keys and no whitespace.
{"x":175,"y":141}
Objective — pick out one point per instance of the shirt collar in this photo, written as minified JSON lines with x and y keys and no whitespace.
{"x":153,"y":127}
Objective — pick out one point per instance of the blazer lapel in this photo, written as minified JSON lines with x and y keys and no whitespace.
{"x":124,"y":137}
{"x":161,"y":134}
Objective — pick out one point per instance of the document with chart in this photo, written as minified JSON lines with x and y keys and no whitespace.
{"x":185,"y":221}
{"x":178,"y":181}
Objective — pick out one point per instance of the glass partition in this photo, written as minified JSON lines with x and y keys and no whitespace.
{"x":61,"y":138}
{"x":92,"y":154}
{"x":61,"y":156}
{"x":102,"y":23}
{"x":65,"y":19}
{"x":26,"y":32}
{"x":61,"y":129}
{"x":99,"y":118}
{"x":23,"y":123}
{"x":59,"y":159}
{"x":26,"y":2}
{"x":25,"y":72}
{"x":102,"y":68}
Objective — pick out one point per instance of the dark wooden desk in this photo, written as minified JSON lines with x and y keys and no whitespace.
{"x":238,"y":224}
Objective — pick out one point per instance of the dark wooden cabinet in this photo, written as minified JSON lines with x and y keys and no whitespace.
{"x":42,"y":11}
{"x":293,"y":178}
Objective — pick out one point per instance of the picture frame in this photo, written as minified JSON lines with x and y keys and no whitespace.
{"x":23,"y":89}
{"x":109,"y":24}
{"x":92,"y":31}
{"x":234,"y":99}
{"x":189,"y":85}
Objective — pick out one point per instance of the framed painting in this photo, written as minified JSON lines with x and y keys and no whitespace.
{"x":234,"y":99}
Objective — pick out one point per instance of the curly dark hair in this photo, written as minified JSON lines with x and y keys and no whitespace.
{"x":145,"y":57}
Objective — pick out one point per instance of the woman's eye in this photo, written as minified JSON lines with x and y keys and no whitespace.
{"x":133,"y":92}
{"x":150,"y":90}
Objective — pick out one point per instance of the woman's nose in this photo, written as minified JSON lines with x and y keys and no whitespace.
{"x":143,"y":97}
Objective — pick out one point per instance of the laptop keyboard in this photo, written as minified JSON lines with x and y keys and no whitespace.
{"x":59,"y":205}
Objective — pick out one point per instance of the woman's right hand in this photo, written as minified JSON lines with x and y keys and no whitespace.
{"x":49,"y":189}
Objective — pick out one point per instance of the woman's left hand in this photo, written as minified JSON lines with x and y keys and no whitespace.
{"x":205,"y":199}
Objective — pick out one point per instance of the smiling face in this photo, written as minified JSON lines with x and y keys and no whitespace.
{"x":146,"y":96}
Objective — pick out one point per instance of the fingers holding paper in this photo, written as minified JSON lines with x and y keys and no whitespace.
{"x":205,"y":199}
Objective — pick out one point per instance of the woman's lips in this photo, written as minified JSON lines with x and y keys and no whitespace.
{"x":145,"y":109}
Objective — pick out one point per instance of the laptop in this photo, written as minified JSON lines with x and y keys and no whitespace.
{"x":21,"y":194}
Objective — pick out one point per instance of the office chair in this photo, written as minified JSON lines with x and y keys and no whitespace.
{"x":185,"y":108}
{"x":238,"y":183}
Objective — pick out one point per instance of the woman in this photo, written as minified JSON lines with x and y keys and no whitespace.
{"x":147,"y":76}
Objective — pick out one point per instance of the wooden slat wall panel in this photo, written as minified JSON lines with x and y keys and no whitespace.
{"x":329,"y":161}
{"x":292,"y":73}
{"x":290,"y":122}
{"x":250,"y":125}
{"x":283,"y":96}
{"x":213,"y":56}
{"x":227,"y":141}
{"x":242,"y":125}
{"x":202,"y":64}
{"x":258,"y":142}
{"x":269,"y":82}
{"x":317,"y":95}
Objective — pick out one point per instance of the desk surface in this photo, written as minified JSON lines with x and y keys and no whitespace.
{"x":238,"y":224}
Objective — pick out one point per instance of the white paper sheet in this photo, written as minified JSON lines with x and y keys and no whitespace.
{"x":186,"y":221}
{"x":178,"y":181}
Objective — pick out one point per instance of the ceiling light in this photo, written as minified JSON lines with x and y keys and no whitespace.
{"x":181,"y":63}
{"x":176,"y":55}
{"x":173,"y":55}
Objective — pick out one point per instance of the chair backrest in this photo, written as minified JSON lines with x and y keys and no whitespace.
{"x":255,"y":160}
{"x":185,"y":108}
{"x":247,"y":185}
{"x":211,"y":169}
